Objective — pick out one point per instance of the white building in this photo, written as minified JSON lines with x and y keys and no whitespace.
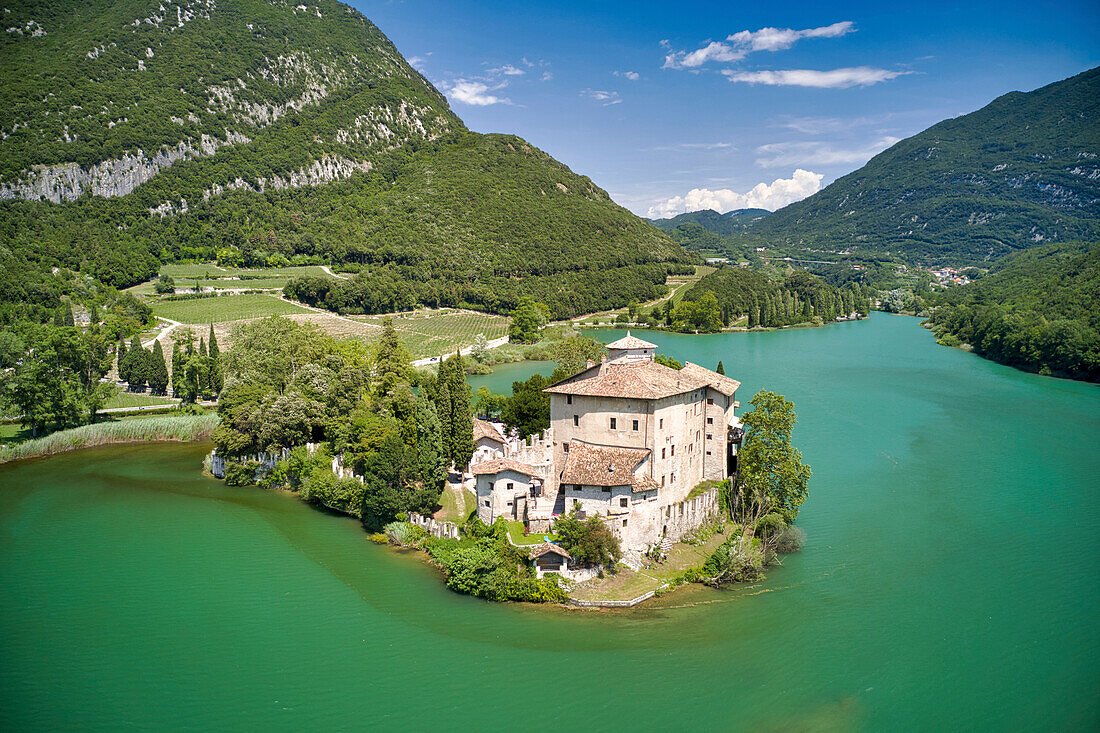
{"x":629,"y":439}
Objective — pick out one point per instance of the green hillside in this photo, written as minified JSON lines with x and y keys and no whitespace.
{"x":1038,"y":310}
{"x":141,"y":132}
{"x":1022,"y":171}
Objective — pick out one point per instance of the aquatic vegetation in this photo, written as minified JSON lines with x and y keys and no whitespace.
{"x":183,"y":428}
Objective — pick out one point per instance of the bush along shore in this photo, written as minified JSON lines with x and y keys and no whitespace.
{"x":182,"y":428}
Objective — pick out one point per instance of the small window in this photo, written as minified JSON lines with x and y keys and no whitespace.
{"x":486,"y":502}
{"x":710,"y":421}
{"x":511,"y":486}
{"x":623,"y":501}
{"x":569,"y":399}
{"x":710,"y":402}
{"x":634,"y":425}
{"x":672,"y":477}
{"x":661,"y":423}
{"x":662,"y":479}
{"x":612,"y":423}
{"x":566,"y":447}
{"x":576,"y":420}
{"x":710,"y":437}
{"x":708,"y":452}
{"x":605,"y":489}
{"x":674,"y":450}
{"x":662,"y":454}
{"x":624,"y":522}
{"x":491,"y":485}
{"x":508,"y":503}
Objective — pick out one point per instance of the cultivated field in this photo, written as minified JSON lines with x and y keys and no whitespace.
{"x":187,"y":277}
{"x":436,"y":332}
{"x":224,"y":308}
{"x":679,"y":285}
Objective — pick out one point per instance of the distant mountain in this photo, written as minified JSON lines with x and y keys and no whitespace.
{"x":1021,"y":171}
{"x":140,"y":131}
{"x":707,"y":231}
{"x":721,"y":224}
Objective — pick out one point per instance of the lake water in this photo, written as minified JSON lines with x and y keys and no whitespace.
{"x":949,"y":581}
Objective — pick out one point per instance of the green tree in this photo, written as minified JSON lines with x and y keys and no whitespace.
{"x":720,"y":369}
{"x":431,"y":459}
{"x":158,"y":370}
{"x":214,"y":378}
{"x":527,"y":319}
{"x":392,"y":361}
{"x":771,"y":474}
{"x":589,"y":541}
{"x":177,"y":369}
{"x":527,"y":411}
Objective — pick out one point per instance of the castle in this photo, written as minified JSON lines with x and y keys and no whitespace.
{"x":628,"y":441}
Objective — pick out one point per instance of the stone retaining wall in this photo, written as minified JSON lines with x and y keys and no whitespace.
{"x":433,"y":526}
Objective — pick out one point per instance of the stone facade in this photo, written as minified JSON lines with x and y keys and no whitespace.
{"x":628,"y":441}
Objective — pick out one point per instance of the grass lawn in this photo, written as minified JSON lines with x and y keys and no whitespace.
{"x":627,"y":584}
{"x":13,"y":433}
{"x":437,"y":332}
{"x":515,"y":532}
{"x":457,"y":503}
{"x":225,"y":308}
{"x":122,"y":398}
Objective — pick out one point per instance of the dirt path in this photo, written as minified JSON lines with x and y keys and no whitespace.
{"x":330,"y":272}
{"x":465,"y":351}
{"x":164,"y":333}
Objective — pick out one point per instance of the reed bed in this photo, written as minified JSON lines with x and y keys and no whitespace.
{"x":182,"y":428}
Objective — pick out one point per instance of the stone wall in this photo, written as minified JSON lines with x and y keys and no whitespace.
{"x":650,"y":521}
{"x":433,"y":526}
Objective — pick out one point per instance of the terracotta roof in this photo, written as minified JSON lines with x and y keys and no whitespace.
{"x":720,"y":382}
{"x":495,"y":466}
{"x":601,"y":465}
{"x":631,"y":342}
{"x":646,"y":380}
{"x":547,"y":547}
{"x":483,"y":429}
{"x":644,"y":482}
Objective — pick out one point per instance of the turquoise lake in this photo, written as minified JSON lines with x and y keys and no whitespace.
{"x":949,"y":581}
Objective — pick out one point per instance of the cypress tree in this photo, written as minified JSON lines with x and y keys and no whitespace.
{"x":158,"y":370}
{"x":721,"y":369}
{"x":120,"y":352}
{"x":215,"y":378}
{"x":177,"y":369}
{"x":137,"y":365}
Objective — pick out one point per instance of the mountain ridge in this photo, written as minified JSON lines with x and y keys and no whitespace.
{"x":1022,"y":170}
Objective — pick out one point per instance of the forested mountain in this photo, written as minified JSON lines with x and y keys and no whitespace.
{"x":1038,"y":310}
{"x":731,"y":222}
{"x":1022,"y":171}
{"x":708,"y":231}
{"x":138,"y":131}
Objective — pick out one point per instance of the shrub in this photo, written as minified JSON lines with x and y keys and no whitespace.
{"x":240,"y":474}
{"x":789,"y":539}
{"x":590,"y":542}
{"x":379,"y":538}
{"x":769,"y":525}
{"x":404,"y":534}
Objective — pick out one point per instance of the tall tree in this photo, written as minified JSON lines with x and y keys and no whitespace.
{"x":431,"y":456}
{"x":177,"y":369}
{"x":392,"y":362}
{"x":770,"y":470}
{"x":158,"y":370}
{"x":721,"y":369}
{"x":214,"y":378}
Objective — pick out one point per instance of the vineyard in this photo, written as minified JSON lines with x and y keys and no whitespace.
{"x":222,"y":308}
{"x":435,"y":332}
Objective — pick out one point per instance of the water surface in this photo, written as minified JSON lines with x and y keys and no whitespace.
{"x":949,"y":581}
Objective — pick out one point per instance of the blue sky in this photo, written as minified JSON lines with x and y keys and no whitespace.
{"x":686,"y":105}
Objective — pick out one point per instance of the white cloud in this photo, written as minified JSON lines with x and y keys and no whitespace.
{"x":607,"y":98}
{"x":832,"y":79}
{"x":631,"y":75}
{"x":546,"y":76}
{"x":740,"y":44}
{"x":782,"y":155}
{"x":694,"y":146}
{"x":775,"y":195}
{"x":507,"y":70}
{"x":778,"y":39}
{"x":475,"y":93}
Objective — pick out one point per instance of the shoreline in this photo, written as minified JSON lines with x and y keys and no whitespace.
{"x":162,"y":429}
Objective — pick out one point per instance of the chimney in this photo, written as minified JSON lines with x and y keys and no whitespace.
{"x":603,"y":364}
